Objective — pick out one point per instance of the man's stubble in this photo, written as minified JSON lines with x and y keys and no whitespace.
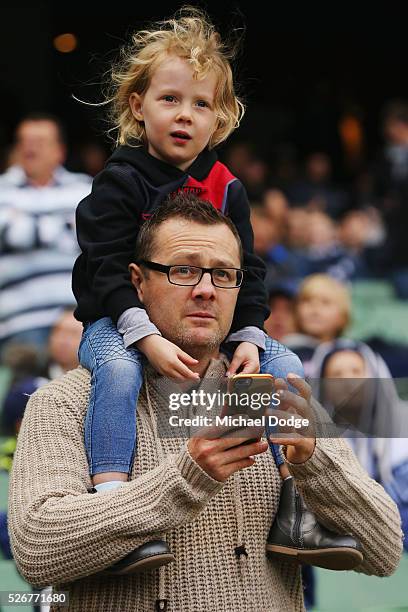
{"x":184,"y":337}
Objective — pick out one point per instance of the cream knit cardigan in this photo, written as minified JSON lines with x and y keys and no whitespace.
{"x":64,"y":536}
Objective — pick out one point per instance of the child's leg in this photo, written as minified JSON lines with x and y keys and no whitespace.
{"x":278,"y":361}
{"x":110,"y":425}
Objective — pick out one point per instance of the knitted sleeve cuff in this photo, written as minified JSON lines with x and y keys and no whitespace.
{"x":315,"y":465}
{"x":195,"y":475}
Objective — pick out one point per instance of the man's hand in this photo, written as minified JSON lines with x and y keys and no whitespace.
{"x":221,"y":457}
{"x":246,"y":356}
{"x":299,"y":447}
{"x":167,"y":358}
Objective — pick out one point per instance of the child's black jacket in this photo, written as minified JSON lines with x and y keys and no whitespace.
{"x":132,"y":185}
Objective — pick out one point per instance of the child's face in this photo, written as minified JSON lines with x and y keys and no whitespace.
{"x":346,"y":389}
{"x":345,"y":364}
{"x":319,"y":315}
{"x":175,"y":102}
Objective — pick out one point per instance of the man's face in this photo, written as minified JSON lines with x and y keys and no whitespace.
{"x":64,"y":341}
{"x":198,"y":318}
{"x":38,"y":147}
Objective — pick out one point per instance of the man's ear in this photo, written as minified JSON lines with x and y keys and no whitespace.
{"x":135,"y":103}
{"x":137,"y":280}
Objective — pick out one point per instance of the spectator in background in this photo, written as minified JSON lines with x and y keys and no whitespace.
{"x":27,"y":377}
{"x":92,"y":157}
{"x":241,"y":159}
{"x":323,"y":252}
{"x":297,"y":222}
{"x":38,"y":246}
{"x":281,"y":321}
{"x":63,"y":344}
{"x":269,"y":222}
{"x":276,"y":206}
{"x":384,"y":413}
{"x":361,"y":233}
{"x":390,"y":192}
{"x":322,"y":313}
{"x":316,"y":189}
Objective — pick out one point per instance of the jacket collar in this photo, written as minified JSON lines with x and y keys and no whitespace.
{"x":160,"y":172}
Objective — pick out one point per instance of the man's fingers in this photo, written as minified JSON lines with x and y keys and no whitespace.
{"x":226,"y":437}
{"x":280,"y":384}
{"x":300,"y":385}
{"x":289,"y":400}
{"x":242,"y":451}
{"x":239,"y":465}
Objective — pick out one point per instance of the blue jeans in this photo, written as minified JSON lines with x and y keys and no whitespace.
{"x":116,"y":378}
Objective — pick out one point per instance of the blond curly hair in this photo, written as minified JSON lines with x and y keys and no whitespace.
{"x":191,"y":36}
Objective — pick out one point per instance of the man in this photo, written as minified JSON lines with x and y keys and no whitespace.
{"x":212,"y":498}
{"x":38,"y":246}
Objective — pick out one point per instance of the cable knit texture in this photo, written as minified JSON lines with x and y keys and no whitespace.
{"x":64,"y":536}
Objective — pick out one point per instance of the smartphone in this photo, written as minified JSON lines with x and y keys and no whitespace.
{"x":248,"y":394}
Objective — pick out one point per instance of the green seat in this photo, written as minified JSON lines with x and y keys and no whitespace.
{"x":373,"y":291}
{"x":339,"y":591}
{"x":377,"y":312}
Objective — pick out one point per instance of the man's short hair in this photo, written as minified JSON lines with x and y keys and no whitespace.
{"x":39,"y":116}
{"x":183,"y":206}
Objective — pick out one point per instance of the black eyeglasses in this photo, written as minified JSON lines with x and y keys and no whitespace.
{"x":189,"y":276}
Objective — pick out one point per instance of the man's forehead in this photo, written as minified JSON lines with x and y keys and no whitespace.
{"x":42,"y":127}
{"x":180,"y":237}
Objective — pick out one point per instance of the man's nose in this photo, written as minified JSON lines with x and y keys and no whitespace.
{"x":205,"y":289}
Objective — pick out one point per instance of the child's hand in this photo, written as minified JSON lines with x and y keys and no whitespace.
{"x":167,"y":358}
{"x":246,"y":356}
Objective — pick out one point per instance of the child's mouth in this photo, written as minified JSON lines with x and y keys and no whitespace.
{"x":181,"y":135}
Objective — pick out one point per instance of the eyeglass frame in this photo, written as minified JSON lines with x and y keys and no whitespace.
{"x":152,"y":265}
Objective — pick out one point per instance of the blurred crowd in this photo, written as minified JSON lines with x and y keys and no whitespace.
{"x":305,"y":222}
{"x":316,"y":235}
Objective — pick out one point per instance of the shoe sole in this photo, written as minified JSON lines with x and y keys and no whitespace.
{"x":143,"y":565}
{"x":327,"y":558}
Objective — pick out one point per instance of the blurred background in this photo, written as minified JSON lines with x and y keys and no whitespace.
{"x":323,"y":154}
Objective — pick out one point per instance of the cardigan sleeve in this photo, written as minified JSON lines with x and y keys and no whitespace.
{"x":59,"y":531}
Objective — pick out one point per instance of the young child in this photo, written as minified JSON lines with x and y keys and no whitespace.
{"x":322,"y":313}
{"x":174,"y":102}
